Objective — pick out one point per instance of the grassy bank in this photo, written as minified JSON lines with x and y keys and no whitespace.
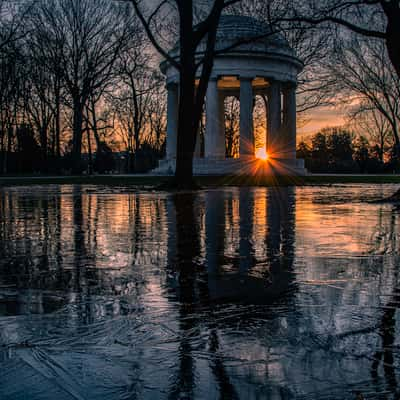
{"x":207,"y":181}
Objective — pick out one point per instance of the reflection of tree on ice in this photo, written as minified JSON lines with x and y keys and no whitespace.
{"x":206,"y":293}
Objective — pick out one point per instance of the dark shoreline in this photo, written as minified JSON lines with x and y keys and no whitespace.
{"x":207,"y":181}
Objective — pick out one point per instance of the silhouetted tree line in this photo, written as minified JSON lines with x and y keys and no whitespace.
{"x":342,"y":151}
{"x":79,"y":89}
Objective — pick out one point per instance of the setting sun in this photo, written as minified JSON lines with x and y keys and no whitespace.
{"x":261,"y":154}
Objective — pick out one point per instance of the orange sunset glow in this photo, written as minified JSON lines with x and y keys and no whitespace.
{"x":261,"y":154}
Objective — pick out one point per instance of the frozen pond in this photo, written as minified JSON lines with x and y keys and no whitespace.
{"x":250,"y":293}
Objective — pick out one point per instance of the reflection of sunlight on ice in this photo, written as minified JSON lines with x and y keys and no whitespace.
{"x":112,"y":302}
{"x":334,"y":223}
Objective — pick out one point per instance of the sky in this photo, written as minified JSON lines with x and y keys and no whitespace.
{"x":319,"y":118}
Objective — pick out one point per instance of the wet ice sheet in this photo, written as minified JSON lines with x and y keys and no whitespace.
{"x":235,"y":293}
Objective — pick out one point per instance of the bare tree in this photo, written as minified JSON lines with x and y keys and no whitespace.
{"x":39,"y":107}
{"x":12,"y":18}
{"x":188,"y":63}
{"x":45,"y":61}
{"x":88,"y":36}
{"x":366,"y":80}
{"x":138,"y":82}
{"x":370,"y":18}
{"x":12,"y":71}
{"x":157,"y":118}
{"x":368,"y":121}
{"x":12,"y":90}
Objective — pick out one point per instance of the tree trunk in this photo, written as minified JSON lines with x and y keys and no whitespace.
{"x":130,"y":151}
{"x":57,"y":125}
{"x":43,"y":145}
{"x":184,"y":159}
{"x":89,"y":150}
{"x":136,"y":135}
{"x":135,"y":153}
{"x":2,"y":147}
{"x":191,"y":101}
{"x":186,"y":135}
{"x":10,"y":132}
{"x":77,"y":137}
{"x":136,"y":123}
{"x":186,"y":132}
{"x":94,"y":124}
{"x":392,"y":11}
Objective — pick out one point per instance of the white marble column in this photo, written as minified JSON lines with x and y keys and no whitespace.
{"x":214,"y":139}
{"x":172,"y":119}
{"x":265,"y":99}
{"x":274,"y":120}
{"x":289,"y":121}
{"x":221,"y":147}
{"x":246,"y":118}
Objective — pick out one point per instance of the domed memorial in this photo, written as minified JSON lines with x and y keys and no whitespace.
{"x":250,"y":61}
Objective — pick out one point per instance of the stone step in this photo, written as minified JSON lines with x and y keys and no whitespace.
{"x":236,"y":166}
